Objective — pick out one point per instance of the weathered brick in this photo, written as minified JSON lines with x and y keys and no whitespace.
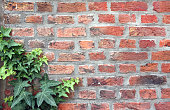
{"x":60,"y":19}
{"x":126,"y":18}
{"x":50,"y":56}
{"x":100,"y":81}
{"x":85,"y":19}
{"x":147,"y":43}
{"x":161,"y":6}
{"x":127,"y":94}
{"x":87,"y":94}
{"x":86,"y":44}
{"x":71,"y":32}
{"x":149,"y":19}
{"x":149,"y":67}
{"x":36,"y":44}
{"x":60,"y":69}
{"x":44,"y":7}
{"x":19,"y":41}
{"x":61,"y":45}
{"x":106,"y":43}
{"x":23,"y":32}
{"x":132,"y":105}
{"x":134,"y":56}
{"x":45,"y":32}
{"x":107,"y":94}
{"x":86,"y":69}
{"x":97,"y":56}
{"x":101,"y":106}
{"x":127,"y":68}
{"x":129,"y":6}
{"x":11,"y":18}
{"x":33,"y":19}
{"x":97,"y":6}
{"x":71,"y":7}
{"x":148,"y":93}
{"x":161,"y":55}
{"x":22,"y":6}
{"x":162,"y":106}
{"x":166,"y":19}
{"x":106,"y":68}
{"x":106,"y":18}
{"x":72,"y":106}
{"x":147,"y":31}
{"x":165,"y":93}
{"x":164,"y":43}
{"x":107,"y":30}
{"x":127,"y":43}
{"x":71,"y":57}
{"x":148,"y":79}
{"x":165,"y":67}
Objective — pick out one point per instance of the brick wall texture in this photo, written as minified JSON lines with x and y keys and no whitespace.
{"x":119,"y":49}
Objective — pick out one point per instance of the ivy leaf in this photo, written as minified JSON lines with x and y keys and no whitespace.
{"x":45,"y":95}
{"x":5,"y":31}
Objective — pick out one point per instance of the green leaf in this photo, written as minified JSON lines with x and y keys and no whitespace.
{"x":5,"y":31}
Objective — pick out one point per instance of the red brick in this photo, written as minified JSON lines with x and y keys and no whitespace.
{"x":19,"y":41}
{"x":161,"y":55}
{"x":127,"y":68}
{"x":36,"y":44}
{"x":149,"y":67}
{"x":71,"y":32}
{"x":147,"y":43}
{"x":147,"y":31}
{"x":106,"y":43}
{"x":85,"y":19}
{"x":148,"y":79}
{"x":97,"y":56}
{"x":45,"y":32}
{"x":126,"y":18}
{"x":164,"y":43}
{"x":60,"y":19}
{"x":50,"y":56}
{"x":72,"y":106}
{"x":33,"y":19}
{"x":23,"y":6}
{"x":107,"y":30}
{"x":100,"y":81}
{"x":86,"y":44}
{"x":127,"y":94}
{"x":149,"y":19}
{"x":23,"y":32}
{"x":166,"y":19}
{"x":11,"y":19}
{"x":71,"y":7}
{"x":161,"y":6}
{"x":87,"y":94}
{"x":148,"y":94}
{"x":44,"y":7}
{"x":107,"y":94}
{"x":134,"y":56}
{"x":127,"y":43}
{"x":106,"y":18}
{"x":61,"y":45}
{"x":102,"y":106}
{"x":71,"y":57}
{"x":106,"y":68}
{"x":132,"y":105}
{"x":165,"y":67}
{"x":165,"y":93}
{"x":129,"y":6}
{"x":86,"y":69}
{"x":162,"y":106}
{"x":7,"y":92}
{"x":60,"y":69}
{"x":97,"y":6}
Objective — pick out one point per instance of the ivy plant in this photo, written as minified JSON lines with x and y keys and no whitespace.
{"x":32,"y":90}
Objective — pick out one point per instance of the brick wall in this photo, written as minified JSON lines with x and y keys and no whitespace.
{"x":119,"y":50}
